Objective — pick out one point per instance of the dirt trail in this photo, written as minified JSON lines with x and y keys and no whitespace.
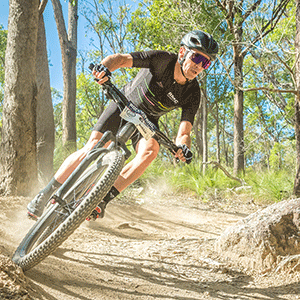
{"x":156,"y":248}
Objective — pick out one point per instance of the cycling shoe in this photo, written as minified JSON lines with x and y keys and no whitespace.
{"x":36,"y":206}
{"x":98,"y":212}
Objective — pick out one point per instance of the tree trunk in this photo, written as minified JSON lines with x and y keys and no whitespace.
{"x":238,"y":140}
{"x":218,"y":134}
{"x":225,"y":144}
{"x":45,"y":116}
{"x":297,"y":99}
{"x":204,"y":127}
{"x":197,"y":127}
{"x":18,"y":145}
{"x":238,"y":135}
{"x":68,"y":45}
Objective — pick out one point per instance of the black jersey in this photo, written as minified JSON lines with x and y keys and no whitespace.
{"x":154,"y":89}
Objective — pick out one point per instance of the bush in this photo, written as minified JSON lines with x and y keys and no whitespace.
{"x":263,"y":186}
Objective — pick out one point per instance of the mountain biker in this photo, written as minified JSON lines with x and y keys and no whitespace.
{"x":165,"y":81}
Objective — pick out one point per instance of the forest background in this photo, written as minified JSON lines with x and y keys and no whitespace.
{"x":245,"y":138}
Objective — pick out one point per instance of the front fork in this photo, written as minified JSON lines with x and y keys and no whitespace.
{"x":122,"y":137}
{"x":91,"y":156}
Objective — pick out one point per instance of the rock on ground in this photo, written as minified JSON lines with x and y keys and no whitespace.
{"x":265,"y":239}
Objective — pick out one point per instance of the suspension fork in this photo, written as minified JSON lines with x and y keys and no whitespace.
{"x":120,"y":140}
{"x":91,"y":156}
{"x":123,"y":135}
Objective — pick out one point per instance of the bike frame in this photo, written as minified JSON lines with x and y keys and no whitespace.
{"x":118,"y":141}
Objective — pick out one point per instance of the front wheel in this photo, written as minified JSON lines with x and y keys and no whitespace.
{"x":58,"y":222}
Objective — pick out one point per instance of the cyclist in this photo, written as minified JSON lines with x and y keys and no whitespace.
{"x":165,"y":81}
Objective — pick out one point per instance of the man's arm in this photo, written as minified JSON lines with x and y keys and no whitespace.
{"x":183,"y":138}
{"x":116,"y":61}
{"x":112,"y":63}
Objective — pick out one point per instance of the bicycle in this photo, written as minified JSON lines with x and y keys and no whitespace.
{"x":75,"y":200}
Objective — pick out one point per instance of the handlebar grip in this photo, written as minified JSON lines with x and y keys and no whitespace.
{"x":174,"y":148}
{"x":100,"y":68}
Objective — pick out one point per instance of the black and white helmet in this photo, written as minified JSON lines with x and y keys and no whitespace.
{"x":201,"y":41}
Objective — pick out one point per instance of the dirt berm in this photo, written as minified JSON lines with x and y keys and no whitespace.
{"x":154,"y":246}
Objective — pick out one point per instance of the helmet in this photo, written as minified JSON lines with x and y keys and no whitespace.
{"x":201,"y":41}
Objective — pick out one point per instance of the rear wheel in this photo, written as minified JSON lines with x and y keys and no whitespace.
{"x":58,"y":222}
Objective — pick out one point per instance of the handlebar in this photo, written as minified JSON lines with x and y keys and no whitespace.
{"x":113,"y":93}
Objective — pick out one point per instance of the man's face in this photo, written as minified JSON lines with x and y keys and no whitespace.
{"x":191,"y":70}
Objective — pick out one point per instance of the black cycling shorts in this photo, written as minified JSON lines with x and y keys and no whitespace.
{"x":110,"y":120}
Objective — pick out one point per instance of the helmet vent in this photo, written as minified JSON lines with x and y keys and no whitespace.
{"x":195,"y":41}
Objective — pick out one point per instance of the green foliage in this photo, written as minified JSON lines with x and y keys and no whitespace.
{"x":57,"y":109}
{"x":189,"y":178}
{"x":108,"y":20}
{"x":261,"y":186}
{"x":281,"y":154}
{"x":271,"y":186}
{"x":150,"y":28}
{"x":90,"y":104}
{"x":3,"y":41}
{"x":269,"y":116}
{"x":159,"y":24}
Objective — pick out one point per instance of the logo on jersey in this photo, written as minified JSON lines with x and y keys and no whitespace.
{"x":159,"y":83}
{"x":172,"y":98}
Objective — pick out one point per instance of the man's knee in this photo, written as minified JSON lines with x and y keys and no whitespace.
{"x":148,"y":154}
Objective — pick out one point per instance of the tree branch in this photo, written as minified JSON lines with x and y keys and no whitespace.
{"x":42,"y":6}
{"x":59,"y":18}
{"x":249,"y":11}
{"x":273,"y":22}
{"x":269,"y":90}
{"x":257,"y":88}
{"x":241,"y":181}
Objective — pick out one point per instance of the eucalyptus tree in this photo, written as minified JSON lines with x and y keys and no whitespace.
{"x":18,"y":144}
{"x":239,"y":15}
{"x":44,"y":109}
{"x":68,"y":44}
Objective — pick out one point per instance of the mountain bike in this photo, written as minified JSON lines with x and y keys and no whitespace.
{"x":75,"y":200}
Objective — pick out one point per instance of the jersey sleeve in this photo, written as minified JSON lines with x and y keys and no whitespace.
{"x":150,"y":59}
{"x":191,"y":105}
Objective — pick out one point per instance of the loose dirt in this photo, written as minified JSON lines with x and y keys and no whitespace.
{"x":154,"y":246}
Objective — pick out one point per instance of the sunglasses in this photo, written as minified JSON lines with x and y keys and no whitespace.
{"x":198,"y":58}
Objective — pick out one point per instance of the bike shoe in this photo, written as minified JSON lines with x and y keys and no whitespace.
{"x":36,"y":206}
{"x":98,"y":212}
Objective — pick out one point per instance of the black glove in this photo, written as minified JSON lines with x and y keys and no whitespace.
{"x":100,"y":68}
{"x":187,"y":153}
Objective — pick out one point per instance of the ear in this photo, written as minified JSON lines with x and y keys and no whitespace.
{"x":181,"y":52}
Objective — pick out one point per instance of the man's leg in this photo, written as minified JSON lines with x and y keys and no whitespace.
{"x":146,"y":153}
{"x":72,"y":161}
{"x":36,"y":206}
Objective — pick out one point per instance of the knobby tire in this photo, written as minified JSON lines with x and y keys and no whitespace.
{"x":55,"y":226}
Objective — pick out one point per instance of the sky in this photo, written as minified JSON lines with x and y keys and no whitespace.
{"x":54,"y":54}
